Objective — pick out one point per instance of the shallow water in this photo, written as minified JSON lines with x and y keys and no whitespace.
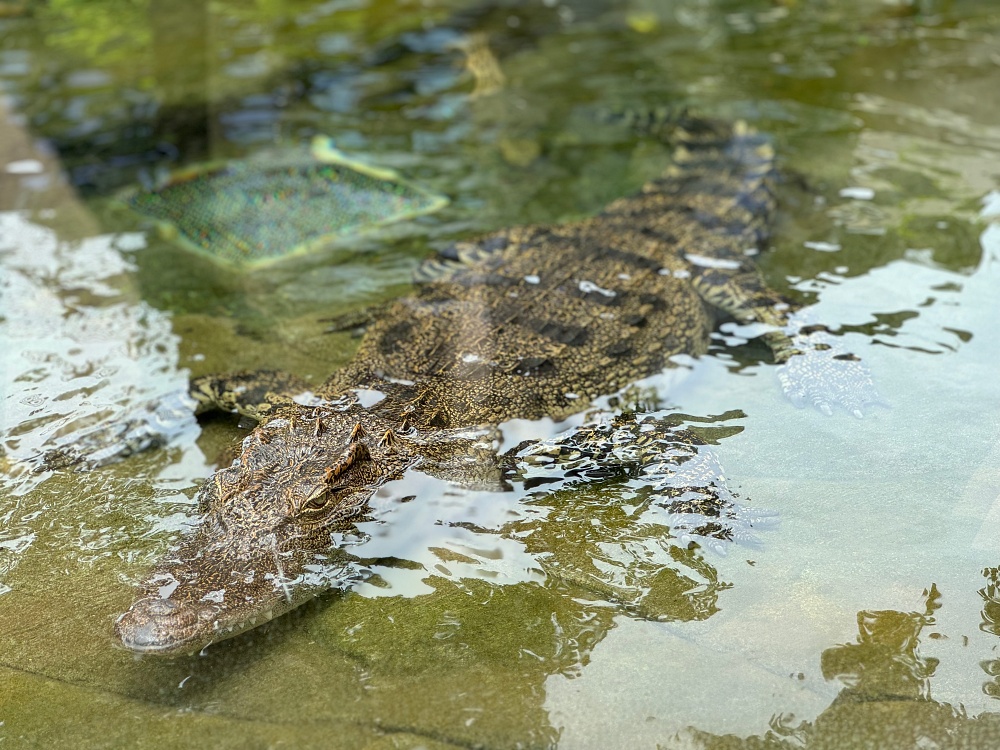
{"x":867,"y":618}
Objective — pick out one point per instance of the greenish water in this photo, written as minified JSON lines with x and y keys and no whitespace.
{"x":868,"y":618}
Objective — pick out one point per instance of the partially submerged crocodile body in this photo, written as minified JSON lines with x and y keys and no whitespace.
{"x":523,"y":323}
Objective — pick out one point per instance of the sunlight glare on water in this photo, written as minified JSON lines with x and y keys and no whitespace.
{"x":85,"y":352}
{"x":868,"y":616}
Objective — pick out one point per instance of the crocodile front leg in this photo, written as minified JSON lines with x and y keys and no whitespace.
{"x":249,"y":394}
{"x":664,"y":465}
{"x":155,"y":424}
{"x":816,"y":370}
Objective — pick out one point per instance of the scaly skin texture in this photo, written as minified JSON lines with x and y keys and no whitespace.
{"x":523,"y":323}
{"x":302,"y":475}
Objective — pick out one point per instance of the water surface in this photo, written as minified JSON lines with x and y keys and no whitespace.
{"x":868,"y":618}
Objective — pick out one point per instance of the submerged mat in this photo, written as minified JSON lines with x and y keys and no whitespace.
{"x":254,"y":212}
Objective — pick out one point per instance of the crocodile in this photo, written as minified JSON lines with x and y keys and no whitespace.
{"x":522,"y":323}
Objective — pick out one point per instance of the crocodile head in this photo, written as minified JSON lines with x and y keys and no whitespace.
{"x":263,"y":542}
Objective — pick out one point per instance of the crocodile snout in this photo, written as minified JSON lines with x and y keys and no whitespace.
{"x":161,"y":626}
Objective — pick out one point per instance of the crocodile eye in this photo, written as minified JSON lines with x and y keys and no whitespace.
{"x":318,"y":499}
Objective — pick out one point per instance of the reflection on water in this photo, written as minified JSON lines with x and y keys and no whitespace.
{"x":82,"y":353}
{"x":565,"y":619}
{"x":886,"y":700}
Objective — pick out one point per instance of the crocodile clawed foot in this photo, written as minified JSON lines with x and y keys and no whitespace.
{"x":827,"y":378}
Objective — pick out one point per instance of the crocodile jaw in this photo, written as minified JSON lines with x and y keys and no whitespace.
{"x":191,"y":601}
{"x":211,"y":588}
{"x":196,"y":598}
{"x":162,"y":626}
{"x":266,"y":533}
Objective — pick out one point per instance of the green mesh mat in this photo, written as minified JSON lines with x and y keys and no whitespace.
{"x":255,"y":212}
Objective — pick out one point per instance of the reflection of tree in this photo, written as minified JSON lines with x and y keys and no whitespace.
{"x":991,"y":624}
{"x":118,"y":85}
{"x":886,"y":701}
{"x":884,"y":663}
{"x":180,"y":51}
{"x":112,"y":34}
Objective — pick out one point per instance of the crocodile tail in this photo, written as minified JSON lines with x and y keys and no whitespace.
{"x":713,"y":147}
{"x":719,"y":188}
{"x":680,"y":128}
{"x":732,"y":163}
{"x":699,"y":141}
{"x":654,"y":122}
